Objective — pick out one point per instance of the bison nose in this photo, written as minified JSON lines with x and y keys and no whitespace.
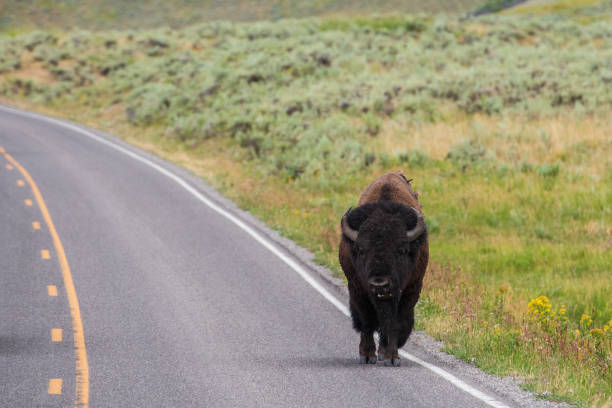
{"x":380,"y":287}
{"x":379,"y":282}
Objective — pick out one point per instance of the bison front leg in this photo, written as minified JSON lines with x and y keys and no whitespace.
{"x":367,"y":349}
{"x":382,"y":345}
{"x":364,"y":321}
{"x":387,"y":349}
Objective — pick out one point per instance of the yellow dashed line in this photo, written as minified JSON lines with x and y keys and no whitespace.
{"x":56,"y":335}
{"x":9,"y":167}
{"x":52,"y":290}
{"x":44,"y":254}
{"x":55,"y":386}
{"x":36,"y":225}
{"x":20,"y":183}
{"x":28,"y":202}
{"x":81,"y":399}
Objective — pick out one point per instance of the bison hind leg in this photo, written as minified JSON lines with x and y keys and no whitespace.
{"x":405,"y":329}
{"x":386,"y":354}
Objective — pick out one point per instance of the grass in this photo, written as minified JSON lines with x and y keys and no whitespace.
{"x":293,"y":119}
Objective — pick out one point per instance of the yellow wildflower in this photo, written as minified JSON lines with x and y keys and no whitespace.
{"x":596,"y":333}
{"x":540,"y":309}
{"x":586,"y":320}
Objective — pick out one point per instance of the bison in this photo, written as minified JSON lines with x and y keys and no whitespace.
{"x":384,"y":253}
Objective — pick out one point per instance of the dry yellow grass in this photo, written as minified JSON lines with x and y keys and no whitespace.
{"x":512,"y":139}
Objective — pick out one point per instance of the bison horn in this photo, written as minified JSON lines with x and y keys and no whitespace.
{"x":418,"y":228}
{"x":346,"y":229}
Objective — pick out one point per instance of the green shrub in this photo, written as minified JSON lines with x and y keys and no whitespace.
{"x":414,"y":158}
{"x":20,"y":87}
{"x":10,"y":55}
{"x":32,"y":40}
{"x":195,"y":127}
{"x":50,"y":54}
{"x":548,"y":169}
{"x":150,"y":103}
{"x":469,"y":153}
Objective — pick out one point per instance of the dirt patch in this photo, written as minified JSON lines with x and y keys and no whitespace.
{"x":32,"y":70}
{"x":35,"y":72}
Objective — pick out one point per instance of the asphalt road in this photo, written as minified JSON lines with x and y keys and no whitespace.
{"x":180,"y":307}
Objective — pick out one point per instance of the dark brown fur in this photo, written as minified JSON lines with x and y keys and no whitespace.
{"x":393,"y":322}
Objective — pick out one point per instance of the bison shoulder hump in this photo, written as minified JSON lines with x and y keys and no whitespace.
{"x":391,"y":187}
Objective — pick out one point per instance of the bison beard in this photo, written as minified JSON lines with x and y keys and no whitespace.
{"x":384,"y":253}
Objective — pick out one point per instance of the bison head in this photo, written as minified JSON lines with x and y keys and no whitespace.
{"x":384,"y":239}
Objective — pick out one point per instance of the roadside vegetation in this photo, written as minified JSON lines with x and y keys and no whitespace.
{"x":503,"y":121}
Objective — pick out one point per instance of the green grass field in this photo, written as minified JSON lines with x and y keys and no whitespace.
{"x":503,"y":121}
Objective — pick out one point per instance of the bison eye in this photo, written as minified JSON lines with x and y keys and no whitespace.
{"x":402,"y":250}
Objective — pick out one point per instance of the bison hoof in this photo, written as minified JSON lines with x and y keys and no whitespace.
{"x":381,"y":357}
{"x":396,"y":362}
{"x":367,"y":360}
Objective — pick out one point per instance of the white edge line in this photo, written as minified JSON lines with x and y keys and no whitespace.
{"x":266,"y":243}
